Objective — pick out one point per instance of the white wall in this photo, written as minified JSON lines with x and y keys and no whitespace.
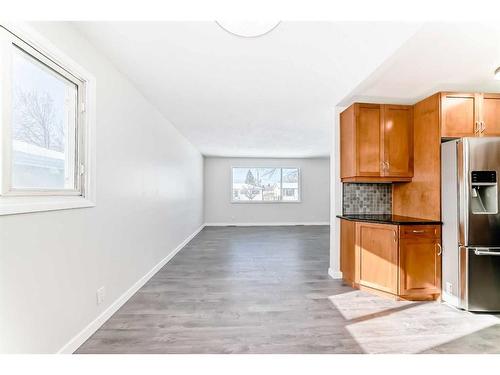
{"x":314,"y":208}
{"x":335,"y":197}
{"x":149,"y":199}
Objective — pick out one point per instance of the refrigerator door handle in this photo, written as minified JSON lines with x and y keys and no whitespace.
{"x":486,"y":251}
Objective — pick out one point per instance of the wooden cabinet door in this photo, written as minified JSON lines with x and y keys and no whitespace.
{"x":459,"y":114}
{"x":397,"y":152}
{"x":347,"y":251}
{"x":368,"y":128}
{"x":377,"y":247}
{"x":420,"y":261}
{"x":490,"y":115}
{"x":347,"y":143}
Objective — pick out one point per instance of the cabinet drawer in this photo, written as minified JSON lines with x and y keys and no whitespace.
{"x":420,"y":231}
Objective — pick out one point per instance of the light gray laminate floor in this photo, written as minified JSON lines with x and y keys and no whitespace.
{"x":266,"y":290}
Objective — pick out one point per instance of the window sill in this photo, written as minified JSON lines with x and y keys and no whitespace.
{"x":264,"y":202}
{"x":22,"y":205}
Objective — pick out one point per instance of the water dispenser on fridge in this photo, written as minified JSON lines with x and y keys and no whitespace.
{"x":484,"y":193}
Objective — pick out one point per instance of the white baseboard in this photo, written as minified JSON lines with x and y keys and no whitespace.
{"x":90,"y":329}
{"x":334,"y":274}
{"x":450,"y":299}
{"x":266,"y":224}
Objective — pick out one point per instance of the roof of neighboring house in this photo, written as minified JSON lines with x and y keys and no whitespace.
{"x":35,"y":156}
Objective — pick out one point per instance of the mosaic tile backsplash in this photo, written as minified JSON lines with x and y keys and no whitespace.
{"x":367,"y":198}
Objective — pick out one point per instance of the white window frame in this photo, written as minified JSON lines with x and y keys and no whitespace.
{"x":14,"y":201}
{"x":299,"y":199}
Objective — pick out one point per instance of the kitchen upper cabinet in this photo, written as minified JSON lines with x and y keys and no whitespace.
{"x":376,"y":143}
{"x":470,"y":115}
{"x":459,"y":114}
{"x":368,"y":135}
{"x":378,"y":256}
{"x":490,"y":115}
{"x":398,"y":141}
{"x":360,"y":146}
{"x":420,"y":261}
{"x":347,"y":251}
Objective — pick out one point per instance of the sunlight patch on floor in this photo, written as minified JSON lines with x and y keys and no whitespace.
{"x":381,"y":325}
{"x":358,"y":304}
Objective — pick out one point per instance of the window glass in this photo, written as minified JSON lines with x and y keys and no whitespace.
{"x":44,"y":107}
{"x":290,"y":184}
{"x":253,"y":184}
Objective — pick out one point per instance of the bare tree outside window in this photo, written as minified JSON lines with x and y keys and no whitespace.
{"x":37,"y":121}
{"x":291,"y":175}
{"x":44,"y":108}
{"x":250,"y":191}
{"x":251,"y":188}
{"x":250,"y":180}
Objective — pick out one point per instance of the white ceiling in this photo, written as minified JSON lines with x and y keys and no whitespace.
{"x":271,"y":96}
{"x":439,"y":57}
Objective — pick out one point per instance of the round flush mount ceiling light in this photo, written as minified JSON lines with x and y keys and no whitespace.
{"x":248,"y":29}
{"x":497,"y":73}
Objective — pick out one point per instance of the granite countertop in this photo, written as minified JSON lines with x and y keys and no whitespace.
{"x":388,"y":219}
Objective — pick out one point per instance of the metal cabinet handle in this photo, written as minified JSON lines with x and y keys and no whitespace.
{"x":418,"y":231}
{"x":476,"y":127}
{"x":483,"y":127}
{"x":440,"y":249}
{"x":395,"y":239}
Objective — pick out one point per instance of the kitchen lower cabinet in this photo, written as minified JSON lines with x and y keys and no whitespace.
{"x":347,"y":251}
{"x":401,"y":261}
{"x":378,"y":256}
{"x":420,"y":261}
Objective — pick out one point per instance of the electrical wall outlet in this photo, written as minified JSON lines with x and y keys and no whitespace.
{"x":449,"y":288}
{"x":101,"y":293}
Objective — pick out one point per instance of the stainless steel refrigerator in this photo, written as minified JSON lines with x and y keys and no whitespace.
{"x":471,"y":223}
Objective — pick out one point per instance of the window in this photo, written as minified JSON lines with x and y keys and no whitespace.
{"x":45,"y":129}
{"x":257,"y":184}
